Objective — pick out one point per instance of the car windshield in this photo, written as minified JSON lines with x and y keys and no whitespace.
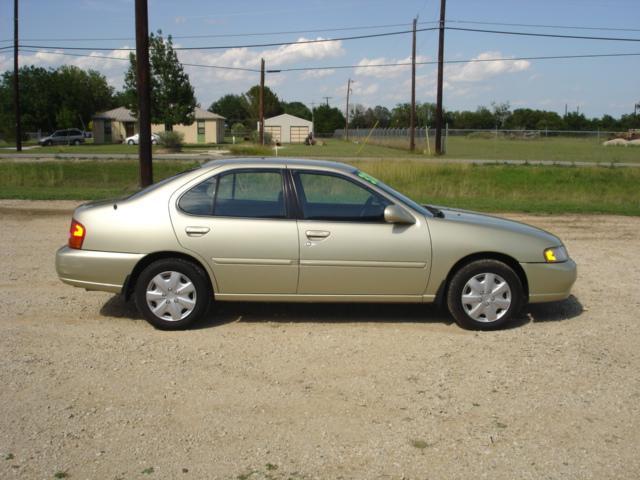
{"x":395,"y":194}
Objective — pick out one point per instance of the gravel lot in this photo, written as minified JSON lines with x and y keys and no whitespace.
{"x":89,"y":389}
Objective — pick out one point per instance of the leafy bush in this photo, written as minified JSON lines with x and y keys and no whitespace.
{"x":238,"y":129}
{"x":171,"y":140}
{"x":255,"y":138}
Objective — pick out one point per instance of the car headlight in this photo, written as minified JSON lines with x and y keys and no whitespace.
{"x":556,"y":255}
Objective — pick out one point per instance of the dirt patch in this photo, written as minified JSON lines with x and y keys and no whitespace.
{"x":318,"y":391}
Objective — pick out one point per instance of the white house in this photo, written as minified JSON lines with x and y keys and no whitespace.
{"x":287,"y":128}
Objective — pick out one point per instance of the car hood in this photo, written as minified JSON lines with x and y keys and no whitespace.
{"x":497,"y":223}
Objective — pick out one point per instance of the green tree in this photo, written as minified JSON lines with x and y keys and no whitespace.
{"x":272,"y":106}
{"x":53,"y":98}
{"x":232,"y":107}
{"x":401,"y":115}
{"x":172,"y":97}
{"x":327,"y":119}
{"x":501,"y":113}
{"x":297,"y":109}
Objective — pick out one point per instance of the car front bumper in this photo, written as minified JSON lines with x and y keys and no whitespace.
{"x":550,"y":282}
{"x":105,"y":271}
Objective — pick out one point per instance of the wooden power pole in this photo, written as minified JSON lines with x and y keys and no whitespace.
{"x":143,"y":84}
{"x":412,"y":118}
{"x":439,"y":119}
{"x":261,"y":104}
{"x":16,"y":80}
{"x":346,"y":123}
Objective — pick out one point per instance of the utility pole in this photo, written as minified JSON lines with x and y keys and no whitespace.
{"x":346,"y":125}
{"x":412,"y":119}
{"x":261,"y":104}
{"x":16,"y":81}
{"x":327,"y":99}
{"x":143,"y":84}
{"x":439,"y":119}
{"x":313,"y":123}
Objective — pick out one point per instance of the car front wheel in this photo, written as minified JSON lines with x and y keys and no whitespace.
{"x":484,"y":295}
{"x":131,"y":142}
{"x":172,"y":293}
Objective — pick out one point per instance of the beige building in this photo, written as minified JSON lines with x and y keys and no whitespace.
{"x":115,"y":125}
{"x":287,"y":128}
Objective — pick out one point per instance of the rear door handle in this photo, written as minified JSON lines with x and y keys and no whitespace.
{"x":196,"y":231}
{"x":317,"y":234}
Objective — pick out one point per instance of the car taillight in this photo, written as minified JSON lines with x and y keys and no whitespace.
{"x":77,"y":233}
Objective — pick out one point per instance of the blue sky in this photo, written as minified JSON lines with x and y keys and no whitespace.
{"x":595,"y":86}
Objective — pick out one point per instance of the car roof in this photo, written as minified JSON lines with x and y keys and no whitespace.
{"x":280,"y":162}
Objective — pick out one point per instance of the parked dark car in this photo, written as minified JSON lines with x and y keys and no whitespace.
{"x":71,"y":136}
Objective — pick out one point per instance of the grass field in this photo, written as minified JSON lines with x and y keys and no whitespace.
{"x":495,"y":188}
{"x":560,"y":149}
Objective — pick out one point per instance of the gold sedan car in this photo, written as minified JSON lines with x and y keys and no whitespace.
{"x":305,"y":231}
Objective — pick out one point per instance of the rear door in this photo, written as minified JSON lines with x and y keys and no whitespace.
{"x":239,"y":221}
{"x":347,"y":248}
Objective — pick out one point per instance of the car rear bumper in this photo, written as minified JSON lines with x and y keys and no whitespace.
{"x":106,"y":271}
{"x":550,"y":282}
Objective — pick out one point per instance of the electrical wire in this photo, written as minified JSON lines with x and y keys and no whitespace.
{"x":342,"y":67}
{"x":255,"y":45}
{"x":534,"y":25}
{"x":548,"y":35}
{"x":106,"y":57}
{"x":221,"y":35}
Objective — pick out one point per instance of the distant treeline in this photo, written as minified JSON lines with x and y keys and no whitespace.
{"x":68,"y":97}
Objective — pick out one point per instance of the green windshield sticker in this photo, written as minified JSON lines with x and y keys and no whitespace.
{"x":368,"y":178}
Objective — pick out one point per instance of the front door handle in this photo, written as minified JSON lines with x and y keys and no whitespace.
{"x":196,"y":231}
{"x":317,"y":234}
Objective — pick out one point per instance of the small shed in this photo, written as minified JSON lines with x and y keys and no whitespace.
{"x":288,"y":128}
{"x":113,"y":126}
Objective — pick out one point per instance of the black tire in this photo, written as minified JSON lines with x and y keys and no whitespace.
{"x":478,"y":268}
{"x":48,"y":143}
{"x":131,"y":142}
{"x":76,"y":142}
{"x":187,"y":270}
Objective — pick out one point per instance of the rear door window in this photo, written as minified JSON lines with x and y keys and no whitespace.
{"x":244,"y":194}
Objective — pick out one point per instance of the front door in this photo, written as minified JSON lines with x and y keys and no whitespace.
{"x":201,"y":131}
{"x":238,"y":221}
{"x":346,"y":247}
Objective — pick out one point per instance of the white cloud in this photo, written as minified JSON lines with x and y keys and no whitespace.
{"x":367,"y":66}
{"x":483,"y":69}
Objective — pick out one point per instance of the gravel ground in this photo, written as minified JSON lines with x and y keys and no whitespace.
{"x":90,"y":390}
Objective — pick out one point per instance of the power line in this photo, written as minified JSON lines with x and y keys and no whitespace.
{"x":321,"y":30}
{"x":548,"y":35}
{"x":534,"y":25}
{"x":341,"y":67}
{"x":255,"y":45}
{"x":222,"y":35}
{"x":105,"y":57}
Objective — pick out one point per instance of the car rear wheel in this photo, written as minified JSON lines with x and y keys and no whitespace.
{"x":172,"y":293}
{"x":76,"y":142}
{"x":484,"y":295}
{"x":131,"y":142}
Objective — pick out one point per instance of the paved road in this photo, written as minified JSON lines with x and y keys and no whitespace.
{"x":9,"y":157}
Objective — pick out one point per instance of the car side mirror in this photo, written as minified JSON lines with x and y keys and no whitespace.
{"x":396,"y":214}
